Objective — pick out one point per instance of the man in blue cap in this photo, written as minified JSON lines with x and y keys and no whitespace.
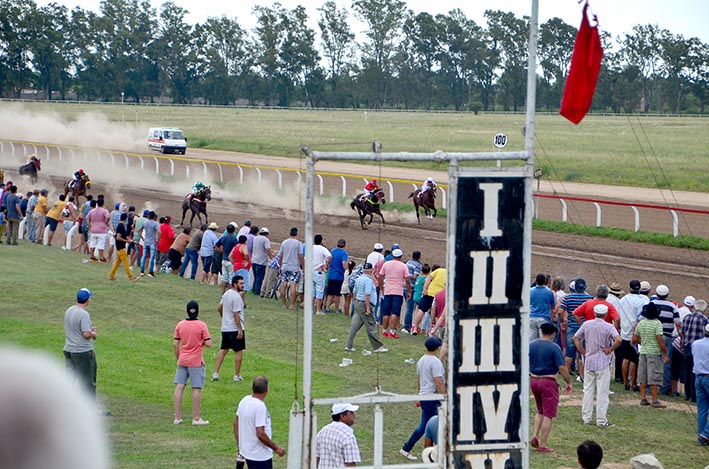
{"x":78,"y":347}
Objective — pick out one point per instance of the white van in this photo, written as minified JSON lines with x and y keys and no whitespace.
{"x":167,"y":140}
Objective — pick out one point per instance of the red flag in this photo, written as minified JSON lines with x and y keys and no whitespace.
{"x":583,"y":74}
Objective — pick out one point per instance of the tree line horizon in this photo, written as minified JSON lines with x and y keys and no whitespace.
{"x":132,"y":52}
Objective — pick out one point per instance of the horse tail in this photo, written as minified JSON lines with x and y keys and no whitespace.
{"x":353,"y":203}
{"x":411,"y":195}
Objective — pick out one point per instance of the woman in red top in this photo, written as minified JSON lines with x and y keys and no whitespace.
{"x":239,"y":256}
{"x":167,"y":237}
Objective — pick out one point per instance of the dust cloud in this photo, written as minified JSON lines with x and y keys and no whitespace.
{"x":92,"y":130}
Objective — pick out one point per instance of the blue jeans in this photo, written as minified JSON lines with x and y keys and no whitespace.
{"x":190,"y":256}
{"x":410,"y":307}
{"x":259,"y":274}
{"x":667,"y":368}
{"x":245,"y":275}
{"x":701,"y":386}
{"x":428,"y":410}
{"x":30,"y":228}
{"x":148,"y":250}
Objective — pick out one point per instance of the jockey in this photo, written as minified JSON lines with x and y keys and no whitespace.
{"x":427,"y":185}
{"x":77,"y":177}
{"x":371,"y":187}
{"x":197,"y":187}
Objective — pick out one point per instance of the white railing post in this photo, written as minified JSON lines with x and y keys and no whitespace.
{"x":46,"y":156}
{"x":127,"y":161}
{"x":378,"y":435}
{"x":73,"y":155}
{"x":70,"y":236}
{"x":24,"y":149}
{"x":598,"y":214}
{"x":21,"y":234}
{"x":221,"y":175}
{"x":391,"y":191}
{"x":157,"y":166}
{"x":86,"y":156}
{"x":45,"y":235}
{"x":280,"y":179}
{"x":142,"y":164}
{"x":564,"y":211}
{"x":300,"y":178}
{"x":344,"y":187}
{"x":675,"y":223}
{"x":258,"y":171}
{"x":113,"y":160}
{"x":535,"y":209}
{"x":187,"y":171}
{"x":322,"y":186}
{"x":172,"y":167}
{"x":637,"y":218}
{"x":34,"y":148}
{"x":2,"y":148}
{"x":241,"y":174}
{"x":204,"y":168}
{"x":443,"y":199}
{"x":12,"y":149}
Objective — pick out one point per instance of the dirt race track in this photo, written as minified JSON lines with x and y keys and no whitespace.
{"x":597,"y":260}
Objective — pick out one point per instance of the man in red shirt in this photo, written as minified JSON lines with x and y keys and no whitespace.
{"x":585,"y":311}
{"x":191,"y":336}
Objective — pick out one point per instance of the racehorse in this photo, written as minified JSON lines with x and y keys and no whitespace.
{"x":198,"y":205}
{"x":78,"y":189}
{"x":427,"y":200}
{"x":31,"y":167}
{"x":368,"y":206}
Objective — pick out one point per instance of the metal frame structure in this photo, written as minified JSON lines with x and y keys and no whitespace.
{"x":307,"y":437}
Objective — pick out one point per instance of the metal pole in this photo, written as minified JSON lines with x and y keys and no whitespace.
{"x":308,"y":303}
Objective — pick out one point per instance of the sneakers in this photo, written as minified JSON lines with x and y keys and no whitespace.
{"x":177,"y":421}
{"x":215,"y":377}
{"x":407,"y":455}
{"x":238,"y":378}
{"x":381,"y":350}
{"x":414,"y":330}
{"x":394,"y":335}
{"x":404,"y":331}
{"x":348,"y":349}
{"x":544,"y":449}
{"x":658,"y":405}
{"x":385,"y":333}
{"x":200,"y":422}
{"x":151,"y":275}
{"x":605,"y":424}
{"x":142,"y":274}
{"x":644,"y":402}
{"x":579,"y":379}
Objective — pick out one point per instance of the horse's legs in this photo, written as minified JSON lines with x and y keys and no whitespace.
{"x":184,"y":212}
{"x":416,"y":206}
{"x":382,"y":217}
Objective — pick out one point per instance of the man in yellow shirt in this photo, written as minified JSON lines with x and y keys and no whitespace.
{"x":53,"y":216}
{"x":435,"y":282}
{"x":40,"y":211}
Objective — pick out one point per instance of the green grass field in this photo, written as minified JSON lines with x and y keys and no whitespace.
{"x":136,"y":368}
{"x":668,"y":152}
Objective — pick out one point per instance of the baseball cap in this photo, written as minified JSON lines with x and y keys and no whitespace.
{"x":580,"y":285}
{"x":118,"y":205}
{"x":645,"y":286}
{"x":83,"y":295}
{"x":378,"y":246}
{"x":395,"y":246}
{"x":264,"y":230}
{"x":343,"y":407}
{"x":690,"y":300}
{"x":635,"y":285}
{"x":234,"y":224}
{"x":367,"y":266}
{"x":433,"y":343}
{"x":600,"y":310}
{"x":146,"y":213}
{"x":662,"y":290}
{"x":192,"y":308}
{"x":397,"y":253}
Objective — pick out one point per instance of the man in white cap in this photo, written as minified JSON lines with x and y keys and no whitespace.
{"x":596,"y":340}
{"x":669,"y":317}
{"x":336,"y":445}
{"x":396,"y":275}
{"x":376,"y":254}
{"x":261,"y":255}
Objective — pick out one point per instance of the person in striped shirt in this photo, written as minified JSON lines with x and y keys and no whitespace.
{"x":569,"y":303}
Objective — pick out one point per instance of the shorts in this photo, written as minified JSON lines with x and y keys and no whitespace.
{"x":319,"y":285}
{"x":97,"y":240}
{"x":246,"y":276}
{"x":628,"y":352}
{"x":111,"y":238}
{"x":425,"y":303}
{"x":206,"y":263}
{"x":231,"y":342}
{"x":52,"y":223}
{"x":391,"y":304}
{"x":570,"y":345}
{"x":227,"y":271}
{"x":546,"y":396}
{"x":196,"y":374}
{"x":216,"y":267}
{"x":290,"y":276}
{"x":650,"y":370}
{"x":334,"y":287}
{"x":175,"y":259}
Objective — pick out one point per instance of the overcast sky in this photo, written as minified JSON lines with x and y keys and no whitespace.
{"x":687,"y":17}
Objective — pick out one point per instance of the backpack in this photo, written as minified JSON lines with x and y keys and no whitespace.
{"x":356,"y":273}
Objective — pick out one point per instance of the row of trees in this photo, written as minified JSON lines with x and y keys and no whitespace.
{"x":129,"y":51}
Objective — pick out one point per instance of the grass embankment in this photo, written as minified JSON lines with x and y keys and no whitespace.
{"x":136,"y":368}
{"x":668,"y":152}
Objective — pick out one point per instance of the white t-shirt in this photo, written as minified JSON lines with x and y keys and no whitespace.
{"x":374,"y":257}
{"x":320,"y":255}
{"x":231,"y":303}
{"x":429,"y":367}
{"x":252,"y":413}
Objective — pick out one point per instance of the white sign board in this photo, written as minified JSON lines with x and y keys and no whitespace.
{"x":500,"y":140}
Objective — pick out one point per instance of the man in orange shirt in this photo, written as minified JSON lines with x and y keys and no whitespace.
{"x":585,"y":311}
{"x":191,"y":336}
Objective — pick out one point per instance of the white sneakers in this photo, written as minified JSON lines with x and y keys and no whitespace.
{"x":177,"y":421}
{"x":238,"y":378}
{"x":347,"y":349}
{"x":407,"y":455}
{"x":381,"y":350}
{"x":215,"y":377}
{"x":200,"y":422}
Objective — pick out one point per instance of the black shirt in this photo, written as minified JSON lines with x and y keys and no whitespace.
{"x":122,"y":231}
